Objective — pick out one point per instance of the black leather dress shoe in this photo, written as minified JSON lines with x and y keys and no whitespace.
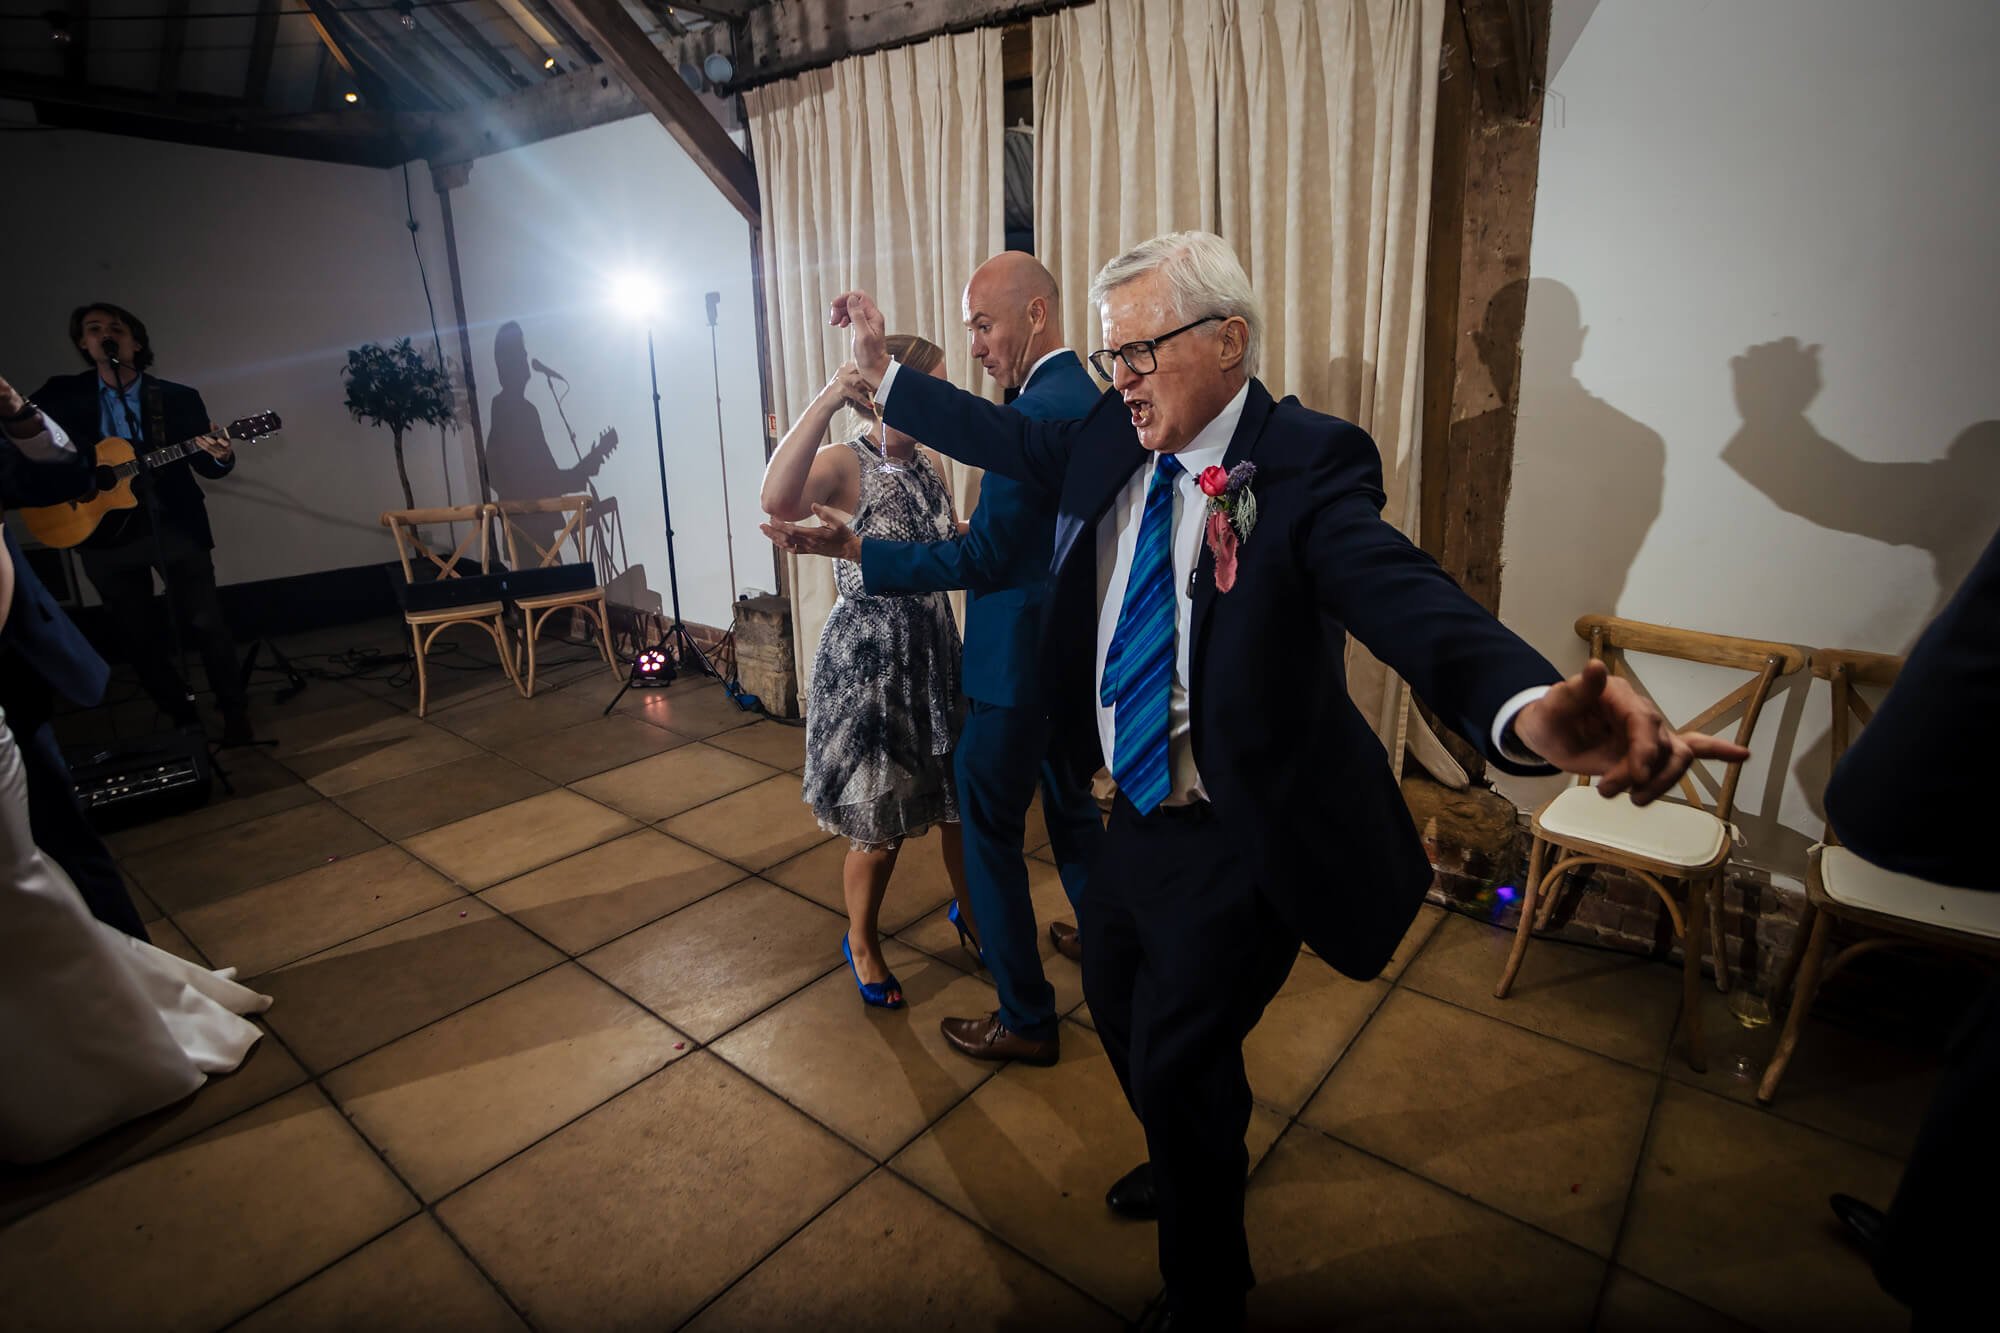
{"x":1862,"y":1221}
{"x":1068,"y":941}
{"x":1133,"y":1195}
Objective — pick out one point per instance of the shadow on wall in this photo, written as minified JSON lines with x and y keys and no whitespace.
{"x":1587,"y":481}
{"x":1946,"y":507}
{"x":523,"y":465}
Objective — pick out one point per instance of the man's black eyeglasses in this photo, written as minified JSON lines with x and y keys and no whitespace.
{"x":1139,"y":357}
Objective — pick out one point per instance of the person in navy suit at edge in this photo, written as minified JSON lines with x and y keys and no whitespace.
{"x":1013,"y":313}
{"x":1214,"y":548}
{"x":44,"y":656}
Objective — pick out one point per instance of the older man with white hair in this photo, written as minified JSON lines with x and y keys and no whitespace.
{"x":1213,"y":550}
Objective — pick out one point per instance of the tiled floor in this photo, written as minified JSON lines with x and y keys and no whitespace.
{"x":562,"y":1039}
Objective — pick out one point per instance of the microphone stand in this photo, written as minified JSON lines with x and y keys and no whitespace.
{"x":142,"y":483}
{"x":676,"y":636}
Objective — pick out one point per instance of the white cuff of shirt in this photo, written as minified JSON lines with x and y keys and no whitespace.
{"x":888,"y":378}
{"x":50,"y":446}
{"x":1503,"y":723}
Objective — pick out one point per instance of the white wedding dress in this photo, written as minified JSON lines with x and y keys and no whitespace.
{"x":95,"y":1026}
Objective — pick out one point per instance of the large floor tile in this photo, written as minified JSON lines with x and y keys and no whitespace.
{"x":443,"y":795}
{"x":266,"y":1072}
{"x":1531,"y":1126}
{"x":756,"y":827}
{"x":261,"y":928}
{"x":338,"y":1004}
{"x":1029,"y":1156}
{"x":1304,"y":1031}
{"x":206,"y":1231}
{"x":263,"y":787}
{"x":1866,"y":1090}
{"x":464,"y":1094}
{"x":888,"y":1257}
{"x":1633,"y":1305}
{"x":708,"y":967}
{"x":1730,"y":1209}
{"x":481,"y":851}
{"x":580,"y":902}
{"x":412,"y":1278}
{"x":338,"y":768}
{"x":778,"y":744}
{"x":1429,"y":917}
{"x":350,"y":724}
{"x":505,"y":718}
{"x":919,"y":886}
{"x":680,"y":779}
{"x":698,"y":709}
{"x":1620,"y":1005}
{"x":198,"y":871}
{"x":576,"y":752}
{"x":1339,"y":1239}
{"x":877,"y":1076}
{"x":637,"y":1214}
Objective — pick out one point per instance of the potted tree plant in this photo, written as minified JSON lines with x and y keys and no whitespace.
{"x":398,"y":387}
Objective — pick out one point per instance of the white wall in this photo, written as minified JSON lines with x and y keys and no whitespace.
{"x":254,"y":275}
{"x":1758,"y":393}
{"x":543,"y":232}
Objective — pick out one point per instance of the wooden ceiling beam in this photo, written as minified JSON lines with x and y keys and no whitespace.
{"x":523,"y":40}
{"x":555,"y":106}
{"x":336,"y":38}
{"x":779,"y":40}
{"x":647,"y":71}
{"x":398,"y":60}
{"x":1502,"y":41}
{"x":557,"y":21}
{"x":263,"y":46}
{"x":353,"y":135}
{"x":473,"y":40}
{"x":173,"y":41}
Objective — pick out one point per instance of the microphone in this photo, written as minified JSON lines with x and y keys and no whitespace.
{"x":541,"y":369}
{"x":110,"y":349}
{"x":714,"y":299}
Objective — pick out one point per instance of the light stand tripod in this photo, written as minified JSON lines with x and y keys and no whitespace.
{"x":650,"y":665}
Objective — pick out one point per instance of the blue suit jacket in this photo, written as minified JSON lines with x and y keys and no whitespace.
{"x":41,"y":648}
{"x":1003,"y":559}
{"x":1292,"y":769}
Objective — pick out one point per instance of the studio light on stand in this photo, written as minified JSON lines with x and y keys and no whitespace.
{"x":675,"y":650}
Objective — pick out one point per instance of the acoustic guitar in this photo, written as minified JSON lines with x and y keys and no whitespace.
{"x":117,"y":463}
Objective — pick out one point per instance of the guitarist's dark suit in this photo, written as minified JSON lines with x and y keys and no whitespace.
{"x":43,"y":656}
{"x":120,"y":556}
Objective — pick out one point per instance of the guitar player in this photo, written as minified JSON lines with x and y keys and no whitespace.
{"x":116,"y":398}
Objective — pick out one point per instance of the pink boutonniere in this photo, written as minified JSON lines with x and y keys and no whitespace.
{"x":1232,"y":513}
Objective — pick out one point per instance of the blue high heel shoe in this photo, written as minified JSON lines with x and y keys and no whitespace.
{"x":965,"y":940}
{"x":880,"y":994}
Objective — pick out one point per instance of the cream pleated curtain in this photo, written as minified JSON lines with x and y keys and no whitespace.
{"x":882,"y":172}
{"x":1301,"y":132}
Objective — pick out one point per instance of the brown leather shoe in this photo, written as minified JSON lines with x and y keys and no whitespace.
{"x":989,"y":1039}
{"x":1067,"y":939}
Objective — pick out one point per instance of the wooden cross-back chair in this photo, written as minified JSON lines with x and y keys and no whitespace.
{"x":541,"y":582}
{"x":1895,"y":910}
{"x":1666,"y":840}
{"x":447,"y":597}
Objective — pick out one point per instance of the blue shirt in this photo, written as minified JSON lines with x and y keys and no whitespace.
{"x":118,"y":411}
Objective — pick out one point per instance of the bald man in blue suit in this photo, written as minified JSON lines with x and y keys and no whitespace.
{"x":1014,"y":316}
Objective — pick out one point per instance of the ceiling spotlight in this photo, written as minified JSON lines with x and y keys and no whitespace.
{"x":549,"y":64}
{"x":406,"y":14}
{"x":59,"y":30}
{"x":350,"y":98}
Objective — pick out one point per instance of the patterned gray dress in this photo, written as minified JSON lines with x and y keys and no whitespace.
{"x":884,"y":707}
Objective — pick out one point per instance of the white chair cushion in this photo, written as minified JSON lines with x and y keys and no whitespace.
{"x":1853,"y":882}
{"x":1666,"y":832}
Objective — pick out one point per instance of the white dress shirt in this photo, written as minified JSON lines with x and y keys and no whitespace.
{"x":1118,"y":538}
{"x":50,"y":446}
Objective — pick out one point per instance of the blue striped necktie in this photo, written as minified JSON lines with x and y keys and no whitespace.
{"x":1139,"y":665}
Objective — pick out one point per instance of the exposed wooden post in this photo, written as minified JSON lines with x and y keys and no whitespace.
{"x":444,"y":179}
{"x":657,"y":84}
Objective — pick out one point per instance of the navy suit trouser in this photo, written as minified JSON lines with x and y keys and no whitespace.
{"x":1001,"y":758}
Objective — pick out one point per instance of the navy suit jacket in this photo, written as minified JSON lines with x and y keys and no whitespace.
{"x":73,"y":401}
{"x":41,"y":648}
{"x":1003,"y":559}
{"x":1291,"y":768}
{"x":1907,"y":796}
